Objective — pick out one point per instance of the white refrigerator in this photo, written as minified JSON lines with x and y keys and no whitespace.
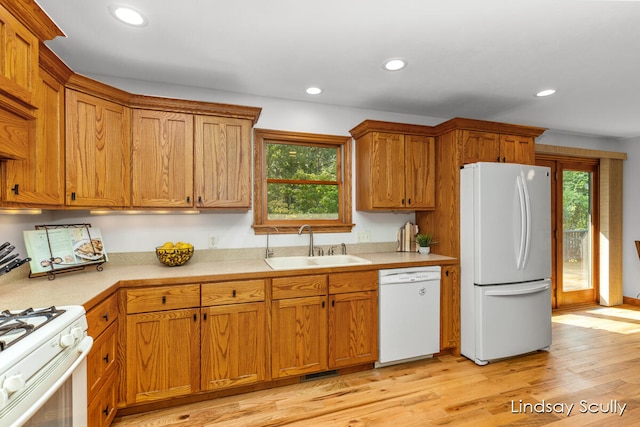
{"x":505,"y":260}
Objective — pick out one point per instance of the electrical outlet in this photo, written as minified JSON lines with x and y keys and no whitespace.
{"x":213,"y":241}
{"x":364,"y":236}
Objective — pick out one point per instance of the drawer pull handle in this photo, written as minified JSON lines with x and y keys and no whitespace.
{"x":106,"y":316}
{"x":105,"y":411}
{"x":205,"y":316}
{"x":106,"y":359}
{"x":322,"y":304}
{"x":234,"y":293}
{"x":164,"y":299}
{"x":195,"y":317}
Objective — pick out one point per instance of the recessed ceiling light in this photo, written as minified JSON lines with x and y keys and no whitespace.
{"x":546,"y":92}
{"x":128,"y":15}
{"x":395,"y":64}
{"x":314,"y":90}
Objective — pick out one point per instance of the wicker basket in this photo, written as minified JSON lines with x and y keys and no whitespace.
{"x":174,"y":256}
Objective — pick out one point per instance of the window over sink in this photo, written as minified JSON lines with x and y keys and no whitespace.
{"x":301,"y":178}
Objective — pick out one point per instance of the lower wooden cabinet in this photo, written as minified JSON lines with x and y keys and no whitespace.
{"x":103,"y":362}
{"x":102,"y":408}
{"x":233,"y":334}
{"x":353,"y":328}
{"x":299,"y":336}
{"x":163,"y":354}
{"x":450,"y":308}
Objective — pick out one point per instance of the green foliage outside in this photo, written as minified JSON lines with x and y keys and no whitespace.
{"x":576,"y":201}
{"x":317,"y":198}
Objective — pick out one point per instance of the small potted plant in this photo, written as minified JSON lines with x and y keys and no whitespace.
{"x":424,"y":242}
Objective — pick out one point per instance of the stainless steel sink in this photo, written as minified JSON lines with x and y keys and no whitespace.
{"x":302,"y":262}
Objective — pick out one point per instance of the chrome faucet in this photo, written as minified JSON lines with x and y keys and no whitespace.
{"x":311,"y":250}
{"x":269,"y":252}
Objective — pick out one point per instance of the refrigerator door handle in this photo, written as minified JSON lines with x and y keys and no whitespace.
{"x":523,"y":223}
{"x":527,"y":203}
{"x":533,"y":290}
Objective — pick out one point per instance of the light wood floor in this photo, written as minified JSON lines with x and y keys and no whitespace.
{"x":595,"y":359}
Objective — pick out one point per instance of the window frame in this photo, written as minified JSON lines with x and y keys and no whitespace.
{"x":261,"y":223}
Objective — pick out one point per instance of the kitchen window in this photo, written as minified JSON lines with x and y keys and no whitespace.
{"x":301,"y":178}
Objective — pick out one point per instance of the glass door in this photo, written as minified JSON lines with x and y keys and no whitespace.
{"x":575,"y":225}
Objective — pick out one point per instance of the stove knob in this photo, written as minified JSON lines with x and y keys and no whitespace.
{"x":77,"y":333}
{"x":13,"y":383}
{"x":67,"y":340}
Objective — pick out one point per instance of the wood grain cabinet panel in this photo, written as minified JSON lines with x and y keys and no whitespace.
{"x":449,"y":307}
{"x":233,"y":345}
{"x":162,"y":298}
{"x":102,"y":409}
{"x":18,"y":58}
{"x":162,"y":159}
{"x":162,"y":355}
{"x":353,"y":328}
{"x":98,"y":140}
{"x":222,"y":162}
{"x":39,"y":178}
{"x":298,"y":336}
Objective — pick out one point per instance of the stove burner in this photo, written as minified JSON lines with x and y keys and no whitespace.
{"x":23,"y":323}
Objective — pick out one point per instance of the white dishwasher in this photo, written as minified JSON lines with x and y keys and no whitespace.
{"x":408,"y":314}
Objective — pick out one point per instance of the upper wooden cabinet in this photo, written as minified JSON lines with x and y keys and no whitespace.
{"x":395,"y":166}
{"x":493,"y":147}
{"x":97,"y":151}
{"x":39,"y":178}
{"x":222,"y":162}
{"x":162,"y":159}
{"x":18,"y":58}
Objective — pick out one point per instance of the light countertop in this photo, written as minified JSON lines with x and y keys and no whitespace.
{"x":88,"y":287}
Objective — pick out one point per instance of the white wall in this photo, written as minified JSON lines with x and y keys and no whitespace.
{"x":631,"y":218}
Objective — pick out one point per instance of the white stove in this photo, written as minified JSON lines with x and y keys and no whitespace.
{"x":42,"y":354}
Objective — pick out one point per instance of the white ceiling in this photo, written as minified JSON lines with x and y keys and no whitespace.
{"x":467,"y":58}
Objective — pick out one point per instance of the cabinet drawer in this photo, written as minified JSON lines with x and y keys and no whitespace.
{"x":102,"y":409}
{"x":102,"y":315}
{"x":353,"y":282}
{"x":162,"y":298}
{"x":102,"y":359}
{"x":232,"y":292}
{"x":299,"y":286}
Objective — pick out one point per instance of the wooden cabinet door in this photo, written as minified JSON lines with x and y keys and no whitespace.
{"x":517,"y":149}
{"x":18,"y":58}
{"x":480,"y":147}
{"x":162,"y":159}
{"x":222,"y":162}
{"x":450,"y":308}
{"x":39,"y":178}
{"x":162,"y":355}
{"x":353,"y":328}
{"x":298,"y":336}
{"x":233,"y":345}
{"x":387,"y":170}
{"x":97,"y":151}
{"x":420,"y":172}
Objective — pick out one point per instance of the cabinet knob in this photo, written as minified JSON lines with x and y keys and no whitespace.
{"x":15,"y":189}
